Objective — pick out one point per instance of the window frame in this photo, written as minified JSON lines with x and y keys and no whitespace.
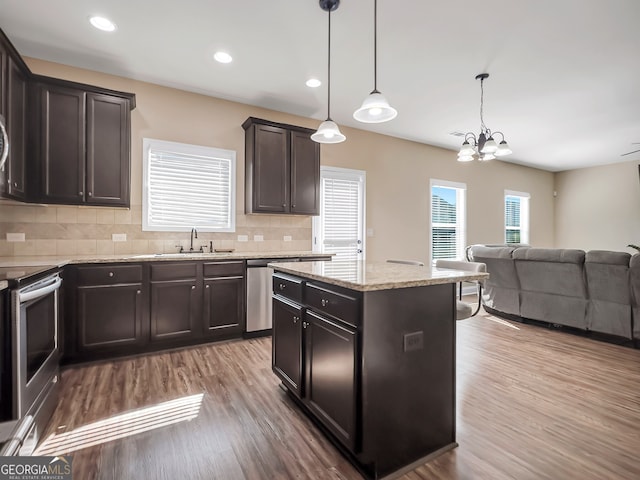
{"x":525,"y":207}
{"x":461,"y":216}
{"x":318,"y":231}
{"x":187,"y":149}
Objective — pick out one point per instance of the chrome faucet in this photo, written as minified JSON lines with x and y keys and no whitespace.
{"x":194,"y":233}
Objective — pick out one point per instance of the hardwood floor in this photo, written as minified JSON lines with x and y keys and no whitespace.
{"x":533,"y":403}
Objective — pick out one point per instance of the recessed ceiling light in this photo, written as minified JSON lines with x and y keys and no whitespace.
{"x":102,"y":23}
{"x":313,"y":83}
{"x":223,"y":57}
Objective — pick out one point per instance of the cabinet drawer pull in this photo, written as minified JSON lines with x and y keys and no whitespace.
{"x":111,"y":274}
{"x":324,"y":302}
{"x":282,"y":286}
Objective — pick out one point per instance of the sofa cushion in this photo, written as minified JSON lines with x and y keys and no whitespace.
{"x":502,"y":287}
{"x":608,"y":287}
{"x":634,"y":280}
{"x":552,"y":285}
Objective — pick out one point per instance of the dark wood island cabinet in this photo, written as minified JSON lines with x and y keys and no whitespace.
{"x":368,"y":351}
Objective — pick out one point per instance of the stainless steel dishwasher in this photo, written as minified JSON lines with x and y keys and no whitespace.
{"x":259,"y":295}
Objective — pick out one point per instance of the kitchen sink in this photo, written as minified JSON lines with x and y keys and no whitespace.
{"x":179,"y":255}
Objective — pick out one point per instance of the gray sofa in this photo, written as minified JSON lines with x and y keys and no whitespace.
{"x":596,"y":291}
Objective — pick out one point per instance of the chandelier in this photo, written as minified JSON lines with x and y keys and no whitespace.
{"x":482,"y":147}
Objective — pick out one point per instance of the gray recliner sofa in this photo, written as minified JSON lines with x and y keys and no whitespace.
{"x":595,"y":291}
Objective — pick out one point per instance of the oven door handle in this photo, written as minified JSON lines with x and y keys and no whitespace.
{"x":41,"y":292}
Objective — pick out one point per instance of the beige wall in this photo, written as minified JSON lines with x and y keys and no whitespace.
{"x":398,"y":174}
{"x":598,"y":208}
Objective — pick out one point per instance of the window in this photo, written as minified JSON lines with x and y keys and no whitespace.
{"x":186,"y":186}
{"x":340,"y":226}
{"x":516,"y":217}
{"x":448,"y":229}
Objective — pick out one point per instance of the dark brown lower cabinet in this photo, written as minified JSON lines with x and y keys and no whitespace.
{"x":287,"y":343}
{"x":129,"y":308}
{"x":330,"y":376}
{"x":378,"y":367}
{"x":224,"y":299}
{"x":175,"y":300}
{"x":105,"y":310}
{"x":110,"y":317}
{"x":315,"y":355}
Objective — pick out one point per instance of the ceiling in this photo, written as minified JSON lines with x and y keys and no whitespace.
{"x":564,"y":84}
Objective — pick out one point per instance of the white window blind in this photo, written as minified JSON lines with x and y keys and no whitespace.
{"x":448,"y":230}
{"x":340,"y":226}
{"x":516,"y":217}
{"x":188,"y":186}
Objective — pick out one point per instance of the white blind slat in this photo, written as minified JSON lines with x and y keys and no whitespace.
{"x":188,"y":186}
{"x":342,"y":217}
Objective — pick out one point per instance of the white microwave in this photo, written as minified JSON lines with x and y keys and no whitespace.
{"x":4,"y":143}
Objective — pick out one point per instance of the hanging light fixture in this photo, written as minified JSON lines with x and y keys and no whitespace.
{"x":483,"y":147}
{"x":328,"y":131}
{"x":375,"y":108}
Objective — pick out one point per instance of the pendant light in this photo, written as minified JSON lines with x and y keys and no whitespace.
{"x":375,"y":108}
{"x":483,"y":147}
{"x":328,"y":131}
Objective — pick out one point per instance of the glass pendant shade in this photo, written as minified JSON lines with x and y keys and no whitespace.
{"x":328,"y":132}
{"x":375,"y":109}
{"x":503,"y":149}
{"x":487,"y":156}
{"x":466,"y":149}
{"x":465,"y":158}
{"x":490,"y":146}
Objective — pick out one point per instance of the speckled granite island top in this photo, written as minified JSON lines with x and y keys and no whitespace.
{"x":368,"y":276}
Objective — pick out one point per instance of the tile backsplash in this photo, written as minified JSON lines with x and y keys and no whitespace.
{"x":68,"y":230}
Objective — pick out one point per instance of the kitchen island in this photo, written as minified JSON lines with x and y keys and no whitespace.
{"x":367,"y":350}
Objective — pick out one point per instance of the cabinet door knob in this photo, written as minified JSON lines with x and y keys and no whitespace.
{"x":193,"y":287}
{"x":282,"y":286}
{"x":89,"y":193}
{"x":284,"y":204}
{"x":111,"y":274}
{"x":295,"y":319}
{"x":15,"y":184}
{"x":305,"y":324}
{"x":139,"y":292}
{"x":324,"y":302}
{"x":207,"y":286}
{"x":80,"y":193}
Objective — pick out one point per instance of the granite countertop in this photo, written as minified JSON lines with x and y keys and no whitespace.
{"x":3,"y":285}
{"x":59,"y":261}
{"x":367,"y":276}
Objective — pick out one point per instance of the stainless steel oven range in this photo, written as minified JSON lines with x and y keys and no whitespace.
{"x":34,"y":359}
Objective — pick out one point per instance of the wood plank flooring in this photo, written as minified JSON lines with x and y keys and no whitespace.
{"x":533,"y":403}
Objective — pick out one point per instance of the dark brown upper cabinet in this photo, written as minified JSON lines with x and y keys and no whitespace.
{"x":14,"y":77}
{"x":69,"y":143}
{"x":282,"y":169}
{"x":84,"y":145}
{"x":16,"y":123}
